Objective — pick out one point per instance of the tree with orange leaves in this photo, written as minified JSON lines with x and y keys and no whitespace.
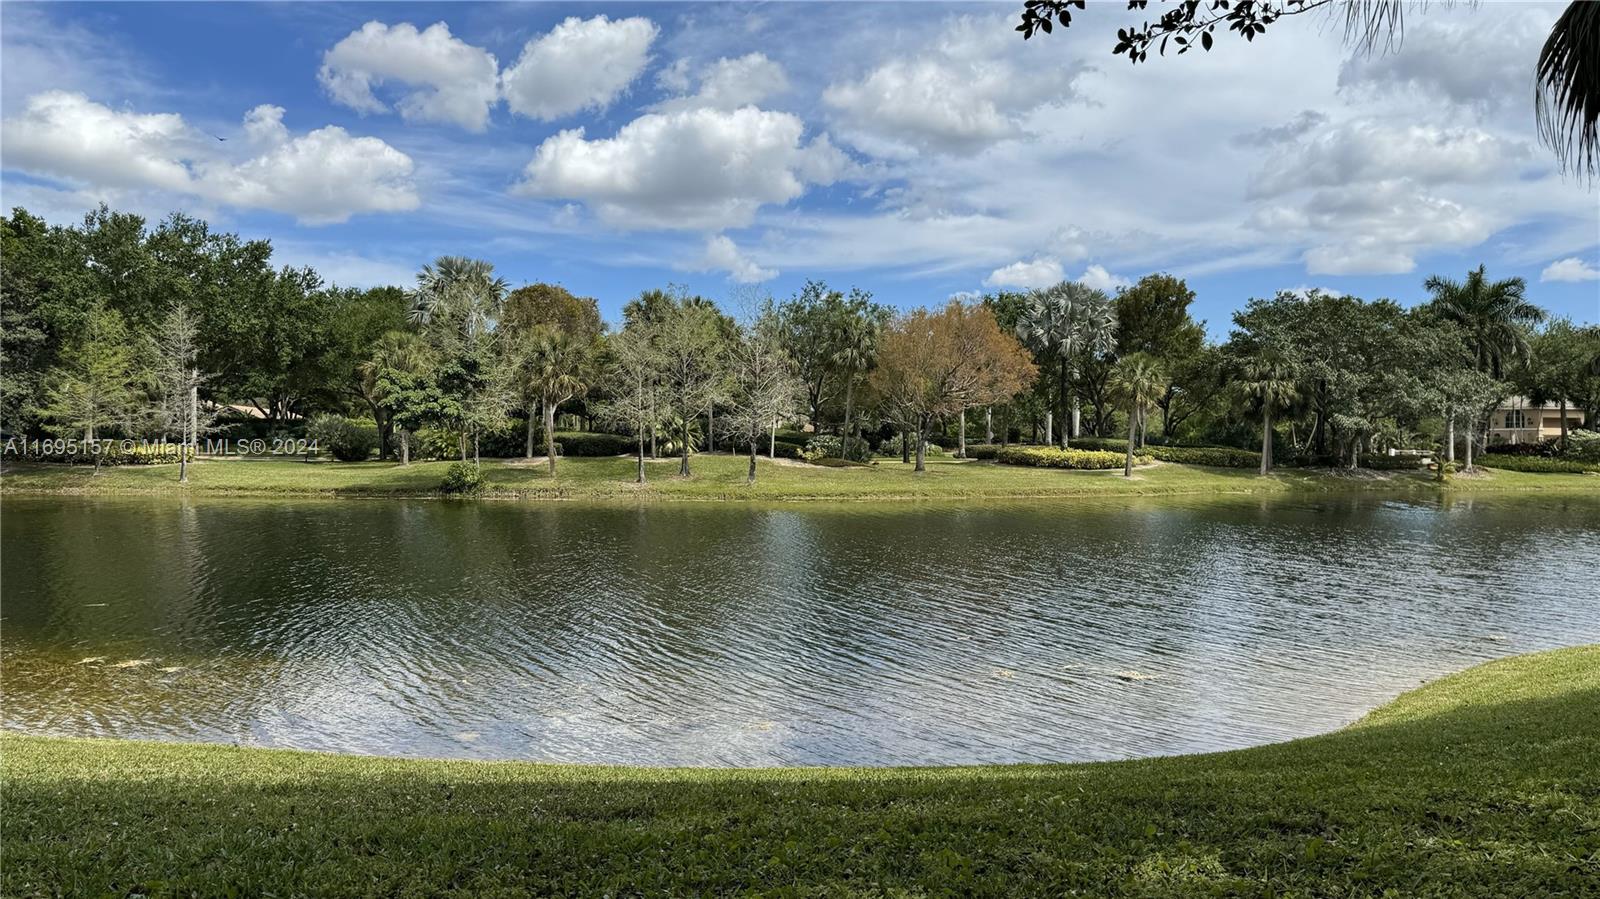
{"x":937,"y":364}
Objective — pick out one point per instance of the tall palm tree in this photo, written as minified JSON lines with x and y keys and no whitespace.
{"x":855,"y":351}
{"x":1138,"y":378}
{"x":1065,"y":320}
{"x":1495,"y":314}
{"x":459,"y":292}
{"x":1567,"y":102}
{"x":1269,"y":380}
{"x":555,"y":367}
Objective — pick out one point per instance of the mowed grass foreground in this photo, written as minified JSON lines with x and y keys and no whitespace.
{"x":1481,"y":784}
{"x":722,"y":477}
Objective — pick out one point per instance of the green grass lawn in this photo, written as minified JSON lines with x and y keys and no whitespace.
{"x":1485,"y":783}
{"x":722,"y":477}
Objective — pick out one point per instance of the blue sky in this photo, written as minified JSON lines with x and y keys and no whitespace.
{"x":918,"y":152}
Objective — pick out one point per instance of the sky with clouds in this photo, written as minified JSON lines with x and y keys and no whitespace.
{"x":918,"y":151}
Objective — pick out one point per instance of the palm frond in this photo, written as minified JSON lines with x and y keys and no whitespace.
{"x":1567,"y":92}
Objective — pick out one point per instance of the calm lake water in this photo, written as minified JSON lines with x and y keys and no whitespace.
{"x":730,"y":635}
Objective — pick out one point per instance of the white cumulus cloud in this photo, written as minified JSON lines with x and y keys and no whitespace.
{"x":723,"y":254}
{"x":1097,"y":277}
{"x":726,"y":83}
{"x":326,"y":175}
{"x":1026,"y":274}
{"x":701,"y":169}
{"x":1570,"y":269}
{"x":581,"y":64}
{"x":445,"y":79}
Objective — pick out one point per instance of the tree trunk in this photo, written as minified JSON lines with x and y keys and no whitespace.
{"x":405,"y":447}
{"x":1467,"y":444}
{"x":477,"y":460}
{"x":849,"y":418}
{"x":528,"y":449}
{"x":988,"y":425}
{"x":751,"y":477}
{"x":550,"y":435}
{"x":1450,"y":436}
{"x":639,"y":477}
{"x":183,"y":457}
{"x":683,"y":465}
{"x":461,"y":441}
{"x":1266,"y":440}
{"x":1127,"y":462}
{"x":905,"y":447}
{"x":1077,"y":424}
{"x":1049,"y":428}
{"x":922,"y":441}
{"x":194,"y":410}
{"x":772,"y":439}
{"x":961,"y":442}
{"x":1563,"y":422}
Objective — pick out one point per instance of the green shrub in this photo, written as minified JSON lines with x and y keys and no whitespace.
{"x":462,"y":478}
{"x":1444,"y":471}
{"x":982,"y":450}
{"x":1378,"y":462}
{"x":586,"y":443}
{"x":829,"y":446}
{"x":1582,"y":446}
{"x":1106,"y":444}
{"x":891,"y":447}
{"x":1051,"y":457}
{"x":1537,"y":464}
{"x":346,"y":439}
{"x":1214,"y":456}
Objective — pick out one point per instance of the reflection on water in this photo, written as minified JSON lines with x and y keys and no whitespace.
{"x":728,"y":635}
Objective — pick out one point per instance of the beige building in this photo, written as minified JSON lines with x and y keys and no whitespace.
{"x":1517,"y":420}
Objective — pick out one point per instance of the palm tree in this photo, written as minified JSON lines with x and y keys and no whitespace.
{"x":460,"y":292}
{"x":1139,"y":378}
{"x":555,"y":368}
{"x":1567,"y":102}
{"x":1063,"y":320}
{"x":854,"y":353}
{"x":1269,"y":380}
{"x":1495,"y":315}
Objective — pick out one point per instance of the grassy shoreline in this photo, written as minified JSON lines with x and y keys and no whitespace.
{"x":1479,"y":784}
{"x":722,"y":478}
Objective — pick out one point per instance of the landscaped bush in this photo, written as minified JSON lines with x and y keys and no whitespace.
{"x":1051,"y":457}
{"x":462,"y":478}
{"x":1537,"y":464}
{"x":982,"y":450}
{"x":1106,"y":444}
{"x":891,"y":447}
{"x":829,"y":446}
{"x":346,"y":439}
{"x":1214,"y":456}
{"x":1378,"y":462}
{"x":586,"y":443}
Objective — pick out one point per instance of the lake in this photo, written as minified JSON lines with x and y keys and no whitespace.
{"x":723,"y":634}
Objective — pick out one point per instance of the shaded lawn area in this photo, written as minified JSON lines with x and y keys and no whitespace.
{"x":722,"y":477}
{"x":1485,"y":783}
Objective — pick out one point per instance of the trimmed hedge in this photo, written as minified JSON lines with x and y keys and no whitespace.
{"x":1051,"y":457}
{"x":983,"y":450}
{"x":1537,"y":464}
{"x":586,"y":443}
{"x":1214,"y":456}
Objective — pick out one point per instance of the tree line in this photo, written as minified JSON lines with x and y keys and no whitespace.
{"x":112,"y":327}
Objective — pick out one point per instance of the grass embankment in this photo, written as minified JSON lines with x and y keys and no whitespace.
{"x":1480,"y":784}
{"x":722,"y":477}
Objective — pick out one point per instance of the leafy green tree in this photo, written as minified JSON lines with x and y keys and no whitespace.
{"x":855,"y":350}
{"x":398,"y":378}
{"x":547,"y":308}
{"x":176,"y":379}
{"x":763,"y":387}
{"x":1139,"y":379}
{"x":814,"y":323}
{"x":552,"y":365}
{"x":691,"y":348}
{"x":95,"y":387}
{"x":633,"y":369}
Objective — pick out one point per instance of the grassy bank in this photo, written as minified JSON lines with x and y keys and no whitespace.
{"x":1480,"y":784}
{"x":722,"y":477}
